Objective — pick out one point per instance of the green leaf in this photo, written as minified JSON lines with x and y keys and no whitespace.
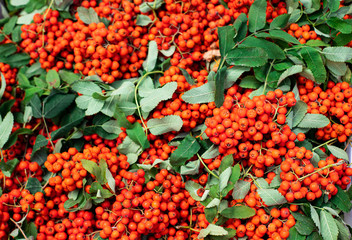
{"x":250,"y":82}
{"x":165,"y":124}
{"x":13,"y":137}
{"x":53,"y":79}
{"x":219,"y":86}
{"x":10,"y":25}
{"x":143,"y":20}
{"x":280,"y":21}
{"x":6,"y":128}
{"x":333,"y":5}
{"x":344,"y":233}
{"x":189,"y":79}
{"x":226,"y":35}
{"x":241,"y":27}
{"x":342,"y":39}
{"x":338,"y":54}
{"x":340,"y":25}
{"x":112,"y":126}
{"x":338,"y":152}
{"x":235,"y":175}
{"x":315,"y":217}
{"x":3,"y":85}
{"x":8,"y":167}
{"x":315,"y":63}
{"x":86,"y":88}
{"x":289,"y":72}
{"x":190,"y":168}
{"x":232,"y":74}
{"x":16,"y":60}
{"x":188,"y":147}
{"x":167,"y":53}
{"x":314,"y":236}
{"x":157,"y":95}
{"x":240,"y":212}
{"x":294,"y":235}
{"x":282,"y":35}
{"x":128,"y":146}
{"x":69,"y":77}
{"x":94,"y":106}
{"x":40,"y":156}
{"x":192,"y":188}
{"x":7,"y":49}
{"x":314,"y":121}
{"x":36,"y":105}
{"x":202,"y":94}
{"x":341,"y":200}
{"x":248,"y":56}
{"x":212,"y":230}
{"x":121,"y":118}
{"x":226,"y":162}
{"x":149,"y":63}
{"x":224,"y":178}
{"x":33,"y":185}
{"x":271,"y":197}
{"x":55,"y":104}
{"x":257,"y":15}
{"x":316,"y":43}
{"x":240,"y":189}
{"x":147,"y":6}
{"x":273,"y":50}
{"x":338,"y":69}
{"x":136,"y":133}
{"x":88,"y":16}
{"x":212,"y":152}
{"x":328,"y":227}
{"x":40,"y":142}
{"x":304,"y":225}
{"x":299,"y":112}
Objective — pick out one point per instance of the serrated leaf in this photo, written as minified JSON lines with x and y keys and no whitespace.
{"x":315,"y":217}
{"x":304,"y":225}
{"x":86,"y":88}
{"x":226,"y":35}
{"x":212,"y":230}
{"x":190,"y":168}
{"x":40,"y":141}
{"x":202,"y":94}
{"x":275,"y":183}
{"x":189,"y":79}
{"x":261,"y":183}
{"x":68,"y":77}
{"x":341,"y":200}
{"x":340,"y":25}
{"x":165,"y":124}
{"x":16,"y":60}
{"x":247,"y":56}
{"x":55,"y":104}
{"x":158,"y":95}
{"x":136,"y":133}
{"x":338,"y":69}
{"x":273,"y":50}
{"x":280,"y":21}
{"x":289,"y":72}
{"x":271,"y":197}
{"x":186,"y":150}
{"x":167,"y":53}
{"x":3,"y":85}
{"x":240,"y":212}
{"x":33,"y":185}
{"x":250,"y":82}
{"x":282,"y":35}
{"x":147,"y":6}
{"x":192,"y":188}
{"x":328,"y":226}
{"x":53,"y":79}
{"x":213,"y":203}
{"x":8,"y":167}
{"x":143,"y":20}
{"x":257,"y":15}
{"x":344,"y":233}
{"x":112,"y":126}
{"x":232,"y":75}
{"x":7,"y":49}
{"x":226,"y":162}
{"x":299,"y":112}
{"x":241,"y":27}
{"x":315,"y":63}
{"x":219,"y":86}
{"x":338,"y":152}
{"x":212,"y":152}
{"x":88,"y":16}
{"x":338,"y":54}
{"x":149,"y":63}
{"x":94,"y":106}
{"x":6,"y":128}
{"x":294,"y":235}
{"x":128,"y":146}
{"x":314,"y":121}
{"x":224,"y":178}
{"x":10,"y":25}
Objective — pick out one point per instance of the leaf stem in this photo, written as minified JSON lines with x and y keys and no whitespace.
{"x":206,"y":167}
{"x":19,"y":228}
{"x":320,"y":169}
{"x":267,"y":76}
{"x":331,"y":140}
{"x":136,"y":98}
